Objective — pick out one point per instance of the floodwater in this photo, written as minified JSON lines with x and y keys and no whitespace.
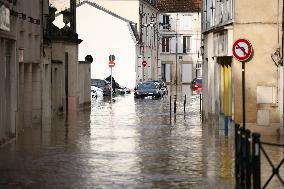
{"x":130,"y":143}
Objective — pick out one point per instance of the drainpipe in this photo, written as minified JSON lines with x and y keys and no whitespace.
{"x":282,"y":59}
{"x":176,"y":53}
{"x":157,"y":47}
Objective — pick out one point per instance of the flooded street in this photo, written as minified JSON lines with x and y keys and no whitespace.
{"x":131,"y":143}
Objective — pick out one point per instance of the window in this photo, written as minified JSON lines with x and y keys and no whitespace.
{"x":186,"y":44}
{"x":166,"y":21}
{"x":165,"y":44}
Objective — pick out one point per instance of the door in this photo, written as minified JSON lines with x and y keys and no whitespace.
{"x":186,"y":73}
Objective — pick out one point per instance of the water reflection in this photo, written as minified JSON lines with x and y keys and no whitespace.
{"x":125,"y":144}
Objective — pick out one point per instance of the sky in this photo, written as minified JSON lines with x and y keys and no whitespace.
{"x":101,"y":39}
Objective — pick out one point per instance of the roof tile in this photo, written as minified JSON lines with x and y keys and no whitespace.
{"x":179,"y":5}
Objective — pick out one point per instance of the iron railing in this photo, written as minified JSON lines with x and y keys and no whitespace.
{"x":248,"y":150}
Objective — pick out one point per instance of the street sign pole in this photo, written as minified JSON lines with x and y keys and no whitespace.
{"x":143,"y":71}
{"x":111,"y":84}
{"x":111,"y":64}
{"x":242,"y":51}
{"x":244,"y":94}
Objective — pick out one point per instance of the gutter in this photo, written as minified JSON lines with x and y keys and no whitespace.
{"x":217,"y":28}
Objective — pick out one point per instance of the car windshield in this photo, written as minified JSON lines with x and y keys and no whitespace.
{"x":159,"y":83}
{"x":199,"y":81}
{"x":148,"y":85}
{"x":98,"y":82}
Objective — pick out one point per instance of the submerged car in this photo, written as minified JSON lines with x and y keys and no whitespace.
{"x":162,"y":85}
{"x":148,"y":89}
{"x":196,"y":84}
{"x":94,"y":93}
{"x":103,"y":85}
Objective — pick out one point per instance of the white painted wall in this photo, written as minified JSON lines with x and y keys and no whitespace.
{"x":102,"y":35}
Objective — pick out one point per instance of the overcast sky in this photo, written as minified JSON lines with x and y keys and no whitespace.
{"x":100,"y":41}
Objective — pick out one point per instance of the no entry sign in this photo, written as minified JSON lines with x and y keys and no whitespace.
{"x":144,"y":63}
{"x":242,"y":49}
{"x":111,"y":64}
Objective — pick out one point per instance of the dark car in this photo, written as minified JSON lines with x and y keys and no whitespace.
{"x":162,"y":85}
{"x":196,"y":84}
{"x":103,"y":85}
{"x":148,"y":89}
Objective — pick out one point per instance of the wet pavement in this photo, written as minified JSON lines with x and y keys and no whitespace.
{"x":130,"y":143}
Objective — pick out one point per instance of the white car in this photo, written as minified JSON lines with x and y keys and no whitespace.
{"x":94,"y":93}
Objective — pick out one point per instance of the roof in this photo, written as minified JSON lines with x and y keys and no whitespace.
{"x":179,"y":5}
{"x":100,"y":8}
{"x":131,"y":24}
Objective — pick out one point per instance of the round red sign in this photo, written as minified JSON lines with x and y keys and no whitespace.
{"x":242,"y":49}
{"x":111,"y":64}
{"x":144,"y":63}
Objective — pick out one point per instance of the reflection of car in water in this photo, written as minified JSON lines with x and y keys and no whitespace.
{"x":94,"y":93}
{"x":196,"y":84}
{"x":122,"y":90}
{"x":102,"y":85}
{"x":148,"y":89}
{"x":162,"y":85}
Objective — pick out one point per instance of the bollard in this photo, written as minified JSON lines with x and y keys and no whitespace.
{"x":237,"y":147}
{"x":175,"y":106}
{"x":242,"y":158}
{"x":256,"y":160}
{"x":200,"y":101}
{"x":170,"y":107}
{"x":184,"y":103}
{"x":226,"y":125}
{"x":247,"y":159}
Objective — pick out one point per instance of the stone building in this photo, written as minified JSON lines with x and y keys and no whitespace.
{"x":8,"y":71}
{"x":70,"y":80}
{"x":23,"y":73}
{"x":223,"y":23}
{"x":180,"y":38}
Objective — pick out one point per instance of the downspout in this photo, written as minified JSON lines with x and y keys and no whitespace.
{"x":282,"y":59}
{"x":176,"y":53}
{"x":158,"y":67}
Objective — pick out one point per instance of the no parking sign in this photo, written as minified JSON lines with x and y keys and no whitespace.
{"x":242,"y":50}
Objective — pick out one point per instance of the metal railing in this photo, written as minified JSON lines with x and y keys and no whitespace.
{"x":248,"y":148}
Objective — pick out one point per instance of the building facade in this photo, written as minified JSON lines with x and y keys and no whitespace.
{"x":180,"y":38}
{"x":8,"y":71}
{"x":179,"y":41}
{"x":22,"y":68}
{"x":223,"y":22}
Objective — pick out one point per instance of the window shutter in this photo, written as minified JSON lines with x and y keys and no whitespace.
{"x":186,"y":22}
{"x":180,"y":44}
{"x":173,"y":44}
{"x":181,"y":25}
{"x":193,"y":44}
{"x":161,"y":21}
{"x":172,"y":23}
{"x":168,"y":44}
